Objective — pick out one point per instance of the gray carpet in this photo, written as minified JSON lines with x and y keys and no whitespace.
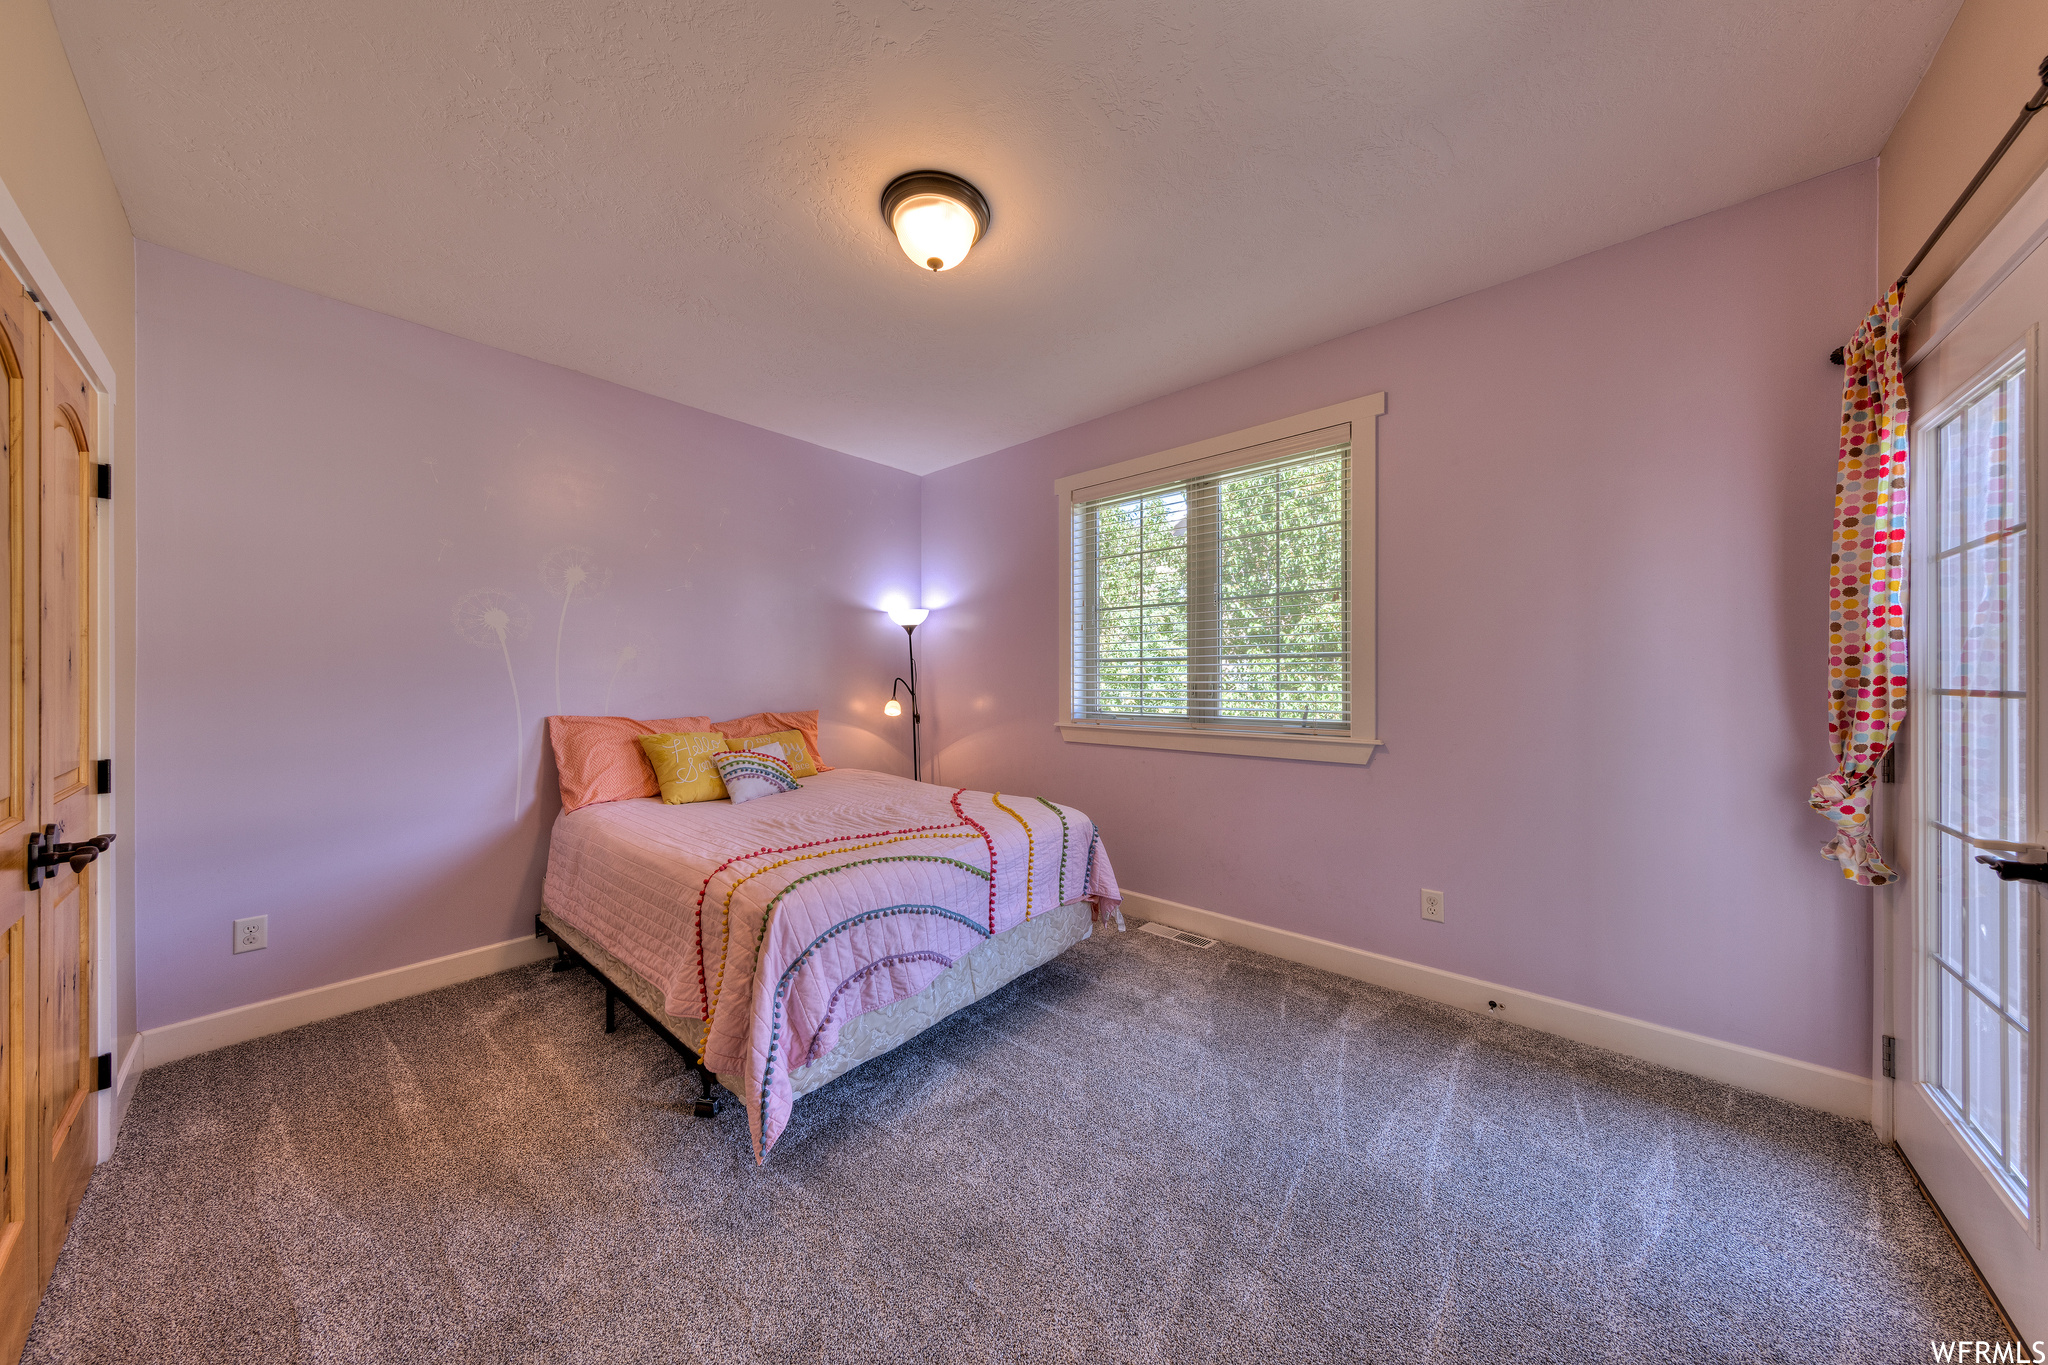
{"x":1140,"y":1152}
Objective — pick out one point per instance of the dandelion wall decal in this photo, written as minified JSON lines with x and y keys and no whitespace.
{"x":486,"y":618}
{"x":566,"y":572}
{"x":627,"y":654}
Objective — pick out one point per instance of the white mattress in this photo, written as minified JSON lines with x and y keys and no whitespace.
{"x":987,"y":969}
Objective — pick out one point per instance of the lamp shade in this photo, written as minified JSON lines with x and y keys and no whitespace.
{"x":892,"y":707}
{"x":934,"y":231}
{"x":908,"y":616}
{"x":937,"y":217}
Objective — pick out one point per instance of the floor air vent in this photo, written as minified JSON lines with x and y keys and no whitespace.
{"x":1164,"y":931}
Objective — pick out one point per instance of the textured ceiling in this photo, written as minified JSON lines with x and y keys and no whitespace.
{"x":681,"y":197}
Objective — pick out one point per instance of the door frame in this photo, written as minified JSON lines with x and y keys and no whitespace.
{"x":1913,"y":796}
{"x":112,"y":886}
{"x":1899,"y":921}
{"x":1895,"y":931}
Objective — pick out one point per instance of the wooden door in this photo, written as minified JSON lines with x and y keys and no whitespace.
{"x":23,"y":1267}
{"x":65,"y":1055}
{"x":48,"y":1066}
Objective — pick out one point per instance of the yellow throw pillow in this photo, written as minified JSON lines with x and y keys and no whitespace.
{"x":789,"y":744}
{"x":683,"y":766}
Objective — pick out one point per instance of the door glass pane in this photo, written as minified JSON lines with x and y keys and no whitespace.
{"x":1948,"y":1054}
{"x":1946,"y":940}
{"x":1979,"y":929}
{"x":1984,"y":948}
{"x":1984,"y":1082}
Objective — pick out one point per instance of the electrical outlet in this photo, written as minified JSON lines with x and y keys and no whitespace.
{"x":252,"y":933}
{"x":1433,"y":906}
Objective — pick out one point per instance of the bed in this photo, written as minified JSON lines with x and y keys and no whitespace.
{"x":785,"y":940}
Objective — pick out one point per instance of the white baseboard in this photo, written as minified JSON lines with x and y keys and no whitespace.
{"x":172,"y":1042}
{"x":114,"y":1102}
{"x":1785,"y":1078}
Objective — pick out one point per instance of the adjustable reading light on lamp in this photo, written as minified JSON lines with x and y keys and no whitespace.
{"x":937,"y":217}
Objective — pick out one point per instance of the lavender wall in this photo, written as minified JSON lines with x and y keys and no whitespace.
{"x":1604,"y":502}
{"x":335,"y":501}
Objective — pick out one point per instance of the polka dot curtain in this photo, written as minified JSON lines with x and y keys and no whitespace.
{"x":1866,"y":592}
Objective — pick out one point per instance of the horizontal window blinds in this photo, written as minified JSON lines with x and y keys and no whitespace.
{"x":1217,"y":593}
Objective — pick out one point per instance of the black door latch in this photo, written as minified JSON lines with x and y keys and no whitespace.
{"x":46,"y":854}
{"x":2010,"y":871}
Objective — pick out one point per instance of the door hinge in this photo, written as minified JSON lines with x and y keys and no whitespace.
{"x":103,"y":777}
{"x":1891,"y":1058}
{"x":106,"y":1071}
{"x":105,"y":488}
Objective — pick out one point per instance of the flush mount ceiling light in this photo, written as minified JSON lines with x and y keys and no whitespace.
{"x":937,"y":217}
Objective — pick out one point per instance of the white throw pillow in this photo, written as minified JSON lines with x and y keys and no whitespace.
{"x":751,"y":773}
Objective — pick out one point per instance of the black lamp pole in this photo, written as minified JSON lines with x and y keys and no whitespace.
{"x":910,"y":635}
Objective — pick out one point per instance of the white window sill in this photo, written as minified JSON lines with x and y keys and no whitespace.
{"x":1305,"y":748}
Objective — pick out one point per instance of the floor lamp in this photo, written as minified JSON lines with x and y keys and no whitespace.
{"x":910,"y":618}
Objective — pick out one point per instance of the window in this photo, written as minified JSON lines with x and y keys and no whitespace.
{"x":1219,"y":596}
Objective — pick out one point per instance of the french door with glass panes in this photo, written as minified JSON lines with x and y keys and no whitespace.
{"x":1964,"y":942}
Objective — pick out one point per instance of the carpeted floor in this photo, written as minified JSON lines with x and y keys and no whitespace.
{"x":1141,"y":1152}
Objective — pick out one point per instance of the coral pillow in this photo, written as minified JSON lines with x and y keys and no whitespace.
{"x":762,"y":723}
{"x":598,"y":758}
{"x":753,"y":773}
{"x":684,"y":765}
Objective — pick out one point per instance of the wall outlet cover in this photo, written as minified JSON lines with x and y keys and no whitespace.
{"x":252,"y":933}
{"x":1433,"y":906}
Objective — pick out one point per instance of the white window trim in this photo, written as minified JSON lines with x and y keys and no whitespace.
{"x":1355,"y":747}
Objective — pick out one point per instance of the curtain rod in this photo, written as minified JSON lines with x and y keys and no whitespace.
{"x":2031,"y":108}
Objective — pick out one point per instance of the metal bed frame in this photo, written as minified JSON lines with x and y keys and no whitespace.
{"x":567,"y":958}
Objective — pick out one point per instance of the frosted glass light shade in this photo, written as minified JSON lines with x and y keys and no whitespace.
{"x":934,"y":231}
{"x":892,"y":707}
{"x":908,"y":616}
{"x":937,"y":217}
